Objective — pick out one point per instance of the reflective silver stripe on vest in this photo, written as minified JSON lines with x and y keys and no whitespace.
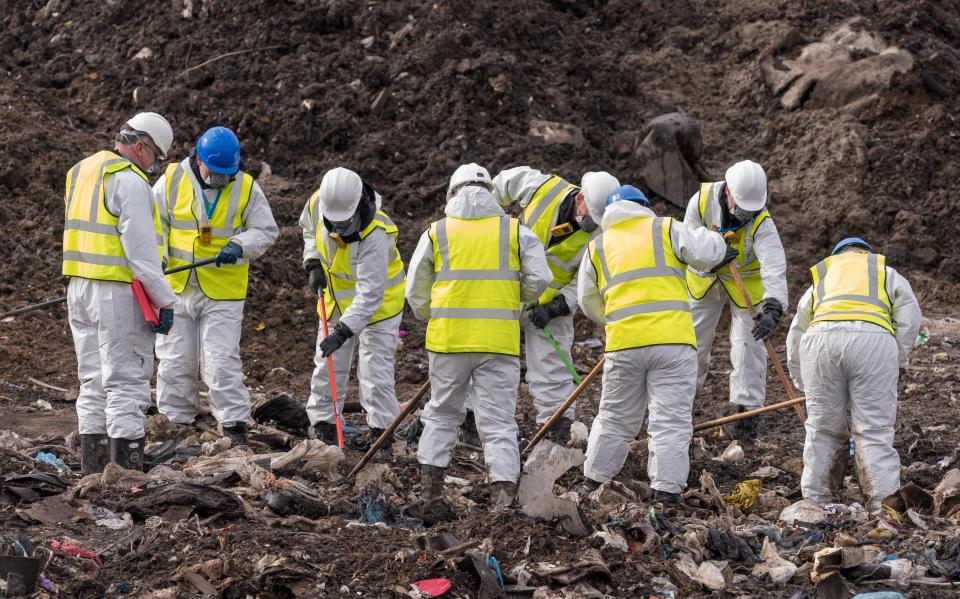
{"x":484,"y":313}
{"x":503,"y":274}
{"x":660,"y":268}
{"x":180,"y":254}
{"x":865,"y":299}
{"x":849,"y":312}
{"x":95,"y":200}
{"x":351,"y":292}
{"x":90,"y":227}
{"x":172,"y":197}
{"x":98,"y":259}
{"x":232,"y":207}
{"x":385,"y":220}
{"x":647,"y":308}
{"x":546,"y":200}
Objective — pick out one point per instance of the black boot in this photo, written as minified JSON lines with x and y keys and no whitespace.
{"x":366,"y":439}
{"x":560,"y":433}
{"x":745,"y":430}
{"x":666,"y":498}
{"x":502,"y":494}
{"x":586,"y":487}
{"x":237,"y":432}
{"x":324,"y":431}
{"x":430,"y":507}
{"x":127,"y":453}
{"x":94,"y":453}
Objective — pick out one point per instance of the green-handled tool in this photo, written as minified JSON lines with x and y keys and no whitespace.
{"x":563,"y":356}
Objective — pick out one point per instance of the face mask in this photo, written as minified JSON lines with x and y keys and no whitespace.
{"x":349,"y":227}
{"x":587,"y":223}
{"x":216,"y":180}
{"x":154,"y":169}
{"x":742,"y":215}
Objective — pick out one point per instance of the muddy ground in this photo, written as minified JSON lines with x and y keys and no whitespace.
{"x":404,"y":92}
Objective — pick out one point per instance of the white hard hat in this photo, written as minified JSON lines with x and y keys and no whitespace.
{"x":156,"y":127}
{"x":340,"y":193}
{"x":596,"y":187}
{"x":748,"y":184}
{"x":470,"y":173}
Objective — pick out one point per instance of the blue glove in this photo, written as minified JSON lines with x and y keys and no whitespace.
{"x":229,"y":253}
{"x":166,"y":322}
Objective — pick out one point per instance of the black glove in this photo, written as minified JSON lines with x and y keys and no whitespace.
{"x":541,"y":314}
{"x":318,"y":280}
{"x":729,"y":256}
{"x":334,"y":340}
{"x":229,"y":253}
{"x":166,"y":322}
{"x":765,"y":322}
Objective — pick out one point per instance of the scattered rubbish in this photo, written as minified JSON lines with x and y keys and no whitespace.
{"x":766,"y":472}
{"x":803,"y":511}
{"x":589,"y":343}
{"x":547,"y":462}
{"x":48,"y":458}
{"x":744,"y":494}
{"x":879,"y":595}
{"x":777,"y":568}
{"x":55,"y":511}
{"x":70,"y":547}
{"x":662,"y":587}
{"x":206,"y":501}
{"x":214,"y":447}
{"x":612,"y":539}
{"x":729,"y":546}
{"x":44,"y":405}
{"x":282,"y":410}
{"x":579,"y":433}
{"x":311,"y":455}
{"x":590,"y":563}
{"x":105,"y":517}
{"x":433,"y":587}
{"x":732,"y":454}
{"x":11,"y":440}
{"x":946,"y":496}
{"x":20,"y":574}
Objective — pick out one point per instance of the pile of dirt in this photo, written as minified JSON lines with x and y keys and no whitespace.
{"x":851,"y":108}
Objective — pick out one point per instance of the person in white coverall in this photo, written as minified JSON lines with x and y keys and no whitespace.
{"x":632,"y":281}
{"x":848,"y":343}
{"x":736,"y":207}
{"x":111,"y":237}
{"x":209,"y":208}
{"x":549,"y":206}
{"x":350,"y":253}
{"x":468,"y":275}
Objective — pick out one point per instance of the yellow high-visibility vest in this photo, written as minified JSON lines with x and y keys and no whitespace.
{"x":475,"y":299}
{"x":642,"y":282}
{"x":852,"y":286}
{"x":700,"y":283}
{"x":91,"y":240}
{"x":185,"y":245}
{"x":540,"y":216}
{"x":341,"y":280}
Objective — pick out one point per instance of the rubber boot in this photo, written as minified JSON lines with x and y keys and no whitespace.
{"x":502,"y":494}
{"x":430,"y":507}
{"x":127,"y":453}
{"x":366,"y":439}
{"x":237,"y":433}
{"x":324,"y":431}
{"x":666,"y":498}
{"x":560,"y":433}
{"x":586,"y":487}
{"x":746,"y":430}
{"x":94,"y":453}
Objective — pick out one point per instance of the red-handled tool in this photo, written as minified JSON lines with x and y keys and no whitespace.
{"x":333,"y":378}
{"x":150,"y":314}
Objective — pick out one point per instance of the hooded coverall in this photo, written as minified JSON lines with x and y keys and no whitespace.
{"x":852,"y":365}
{"x":761,"y":261}
{"x":375,"y":342}
{"x":206,"y":332}
{"x":113,"y":342}
{"x":653,"y":363}
{"x":547,"y":378}
{"x":494,"y":377}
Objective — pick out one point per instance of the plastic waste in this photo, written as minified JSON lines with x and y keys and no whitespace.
{"x":744,"y":494}
{"x":433,"y":587}
{"x":49,"y":458}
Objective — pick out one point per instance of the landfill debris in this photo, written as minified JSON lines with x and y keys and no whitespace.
{"x":19,"y":574}
{"x":55,"y":511}
{"x":433,"y":587}
{"x":724,"y":543}
{"x":612,"y":539}
{"x":11,"y":440}
{"x":214,"y":447}
{"x":946,"y":496}
{"x":779,"y":570}
{"x":590,"y":563}
{"x":104,"y":517}
{"x":766,"y":472}
{"x":281,"y":410}
{"x":204,"y":500}
{"x":803,"y":511}
{"x":732,"y":454}
{"x":552,"y":132}
{"x":311,"y":455}
{"x":579,"y":433}
{"x":547,"y":462}
{"x":44,"y":405}
{"x":49,"y":458}
{"x":744,"y":494}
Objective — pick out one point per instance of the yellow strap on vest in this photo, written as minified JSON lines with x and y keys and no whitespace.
{"x":852,"y":286}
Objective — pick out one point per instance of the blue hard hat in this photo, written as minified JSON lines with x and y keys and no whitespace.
{"x":844,"y":243}
{"x":628,"y":193}
{"x":219,"y":149}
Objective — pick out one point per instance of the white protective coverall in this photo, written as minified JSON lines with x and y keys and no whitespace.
{"x":663,"y":376}
{"x":114,"y":343}
{"x":851,"y":365}
{"x":549,"y":381}
{"x":748,"y":357}
{"x":494,"y":378}
{"x":206,"y":332}
{"x":376,"y":343}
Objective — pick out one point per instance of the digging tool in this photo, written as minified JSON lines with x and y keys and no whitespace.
{"x":566,"y":404}
{"x":333,"y":378}
{"x":777,"y":366}
{"x":563,"y":355}
{"x":61,"y":300}
{"x":407,"y":410}
{"x":756,"y":412}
